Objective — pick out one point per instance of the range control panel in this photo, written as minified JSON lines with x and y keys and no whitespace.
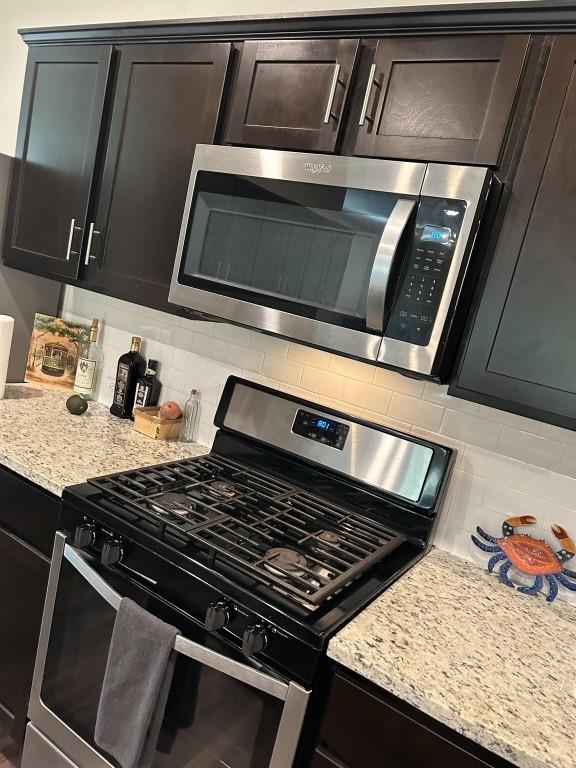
{"x":323,"y":429}
{"x":438,"y":224}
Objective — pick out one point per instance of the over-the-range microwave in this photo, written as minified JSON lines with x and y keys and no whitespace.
{"x":359,"y":256}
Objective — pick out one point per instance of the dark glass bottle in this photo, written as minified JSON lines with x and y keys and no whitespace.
{"x":148,"y":387}
{"x":131,"y":367}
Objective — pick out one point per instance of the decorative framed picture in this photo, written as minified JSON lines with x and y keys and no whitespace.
{"x":55,"y":347}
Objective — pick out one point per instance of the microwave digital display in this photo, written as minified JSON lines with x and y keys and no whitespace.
{"x":319,"y":428}
{"x":436,"y":234}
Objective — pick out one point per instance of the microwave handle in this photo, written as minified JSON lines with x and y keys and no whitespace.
{"x":382,"y":267}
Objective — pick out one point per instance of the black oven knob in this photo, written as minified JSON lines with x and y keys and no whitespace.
{"x":218,"y":615}
{"x":254,"y":640}
{"x":111,"y":552}
{"x":84,"y":535}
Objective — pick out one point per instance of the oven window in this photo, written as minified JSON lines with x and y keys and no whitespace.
{"x":211,"y":720}
{"x":312,"y":245}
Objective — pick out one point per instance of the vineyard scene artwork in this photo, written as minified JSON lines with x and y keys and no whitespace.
{"x":55,"y":347}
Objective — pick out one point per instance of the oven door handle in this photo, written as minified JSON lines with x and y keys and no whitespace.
{"x":383,"y":262}
{"x":206,"y":656}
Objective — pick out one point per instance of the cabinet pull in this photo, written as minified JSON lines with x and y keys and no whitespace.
{"x":91,"y":233}
{"x":371,"y":81}
{"x":328,"y":114}
{"x":69,"y":250}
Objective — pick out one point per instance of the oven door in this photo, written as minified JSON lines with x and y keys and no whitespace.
{"x":299,"y":245}
{"x":222,"y":712}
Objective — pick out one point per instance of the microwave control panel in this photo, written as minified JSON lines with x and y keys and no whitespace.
{"x":421,"y":285}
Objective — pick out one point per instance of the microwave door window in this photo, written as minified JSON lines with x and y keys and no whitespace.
{"x":308,"y":246}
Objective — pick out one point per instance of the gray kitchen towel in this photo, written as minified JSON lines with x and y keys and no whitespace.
{"x":135,"y":688}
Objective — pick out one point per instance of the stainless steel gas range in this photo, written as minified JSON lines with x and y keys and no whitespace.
{"x":258,"y":552}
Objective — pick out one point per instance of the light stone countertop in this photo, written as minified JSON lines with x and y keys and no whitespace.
{"x":496,"y":666}
{"x":42,"y":441}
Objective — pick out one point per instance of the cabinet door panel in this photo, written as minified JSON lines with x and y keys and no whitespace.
{"x":58,"y":135}
{"x":290,"y":94}
{"x":23,"y":581}
{"x":521,"y":347}
{"x":167,"y":100}
{"x":446,"y":99}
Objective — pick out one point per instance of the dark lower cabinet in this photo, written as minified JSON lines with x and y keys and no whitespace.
{"x":62,"y":106}
{"x":28,"y":519}
{"x":167,"y":100}
{"x":521,"y":354}
{"x":291,"y":94}
{"x":446,"y":99}
{"x":365,"y":727}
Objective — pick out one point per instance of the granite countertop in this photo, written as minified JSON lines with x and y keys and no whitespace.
{"x":42,"y":441}
{"x":494,"y":665}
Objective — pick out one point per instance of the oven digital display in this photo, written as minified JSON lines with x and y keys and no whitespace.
{"x":321,"y":429}
{"x":436,"y":234}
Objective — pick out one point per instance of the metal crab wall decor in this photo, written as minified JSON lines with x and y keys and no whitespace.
{"x":534,"y":557}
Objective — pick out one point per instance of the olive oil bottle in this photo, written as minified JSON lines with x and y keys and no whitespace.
{"x":131,"y":366}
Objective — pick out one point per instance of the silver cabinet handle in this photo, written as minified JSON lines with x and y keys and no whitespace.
{"x":328,"y":114}
{"x":371,"y":81}
{"x":91,"y":233}
{"x":387,"y":247}
{"x":73,"y":228}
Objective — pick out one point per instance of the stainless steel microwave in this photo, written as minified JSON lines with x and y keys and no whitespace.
{"x":359,"y":256}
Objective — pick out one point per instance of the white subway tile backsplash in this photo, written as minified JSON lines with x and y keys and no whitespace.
{"x":397,"y":383}
{"x":472,"y":429}
{"x":322,"y":382}
{"x":309,"y":356}
{"x":532,"y":449}
{"x":415,"y":411}
{"x":352,"y":369}
{"x":367,"y":396}
{"x":250,"y":359}
{"x":282,"y":369}
{"x":505,"y":462}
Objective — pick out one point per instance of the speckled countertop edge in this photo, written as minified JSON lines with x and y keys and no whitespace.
{"x":493,"y":665}
{"x":43,"y":442}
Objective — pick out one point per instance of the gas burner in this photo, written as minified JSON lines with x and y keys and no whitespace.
{"x":286,"y":560}
{"x":176,"y":503}
{"x":329,"y":537}
{"x":223,"y":489}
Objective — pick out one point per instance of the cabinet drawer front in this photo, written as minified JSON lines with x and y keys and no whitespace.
{"x":361,"y":730}
{"x":441,"y":98}
{"x":28,"y":512}
{"x":60,"y":123}
{"x":291,"y":94}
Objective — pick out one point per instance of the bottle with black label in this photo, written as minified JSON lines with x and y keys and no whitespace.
{"x":148,"y":387}
{"x":131,"y":367}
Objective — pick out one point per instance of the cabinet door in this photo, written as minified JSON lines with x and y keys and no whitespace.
{"x":23,"y":581}
{"x":362,"y":729}
{"x":291,"y":94}
{"x":60,"y":121}
{"x":448,"y":99}
{"x":520,"y":355}
{"x":167,"y":100}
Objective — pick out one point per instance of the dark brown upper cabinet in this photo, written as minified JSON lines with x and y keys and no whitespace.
{"x":446,"y":99}
{"x":290,"y":94}
{"x":167,"y":100}
{"x":521,"y":351}
{"x":62,"y":105}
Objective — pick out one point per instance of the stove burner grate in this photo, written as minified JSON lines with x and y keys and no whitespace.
{"x":286,"y":538}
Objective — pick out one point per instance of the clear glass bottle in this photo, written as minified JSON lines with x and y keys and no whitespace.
{"x":89,"y":366}
{"x":190,"y":418}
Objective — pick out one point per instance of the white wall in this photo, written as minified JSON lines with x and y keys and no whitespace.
{"x":18,"y":14}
